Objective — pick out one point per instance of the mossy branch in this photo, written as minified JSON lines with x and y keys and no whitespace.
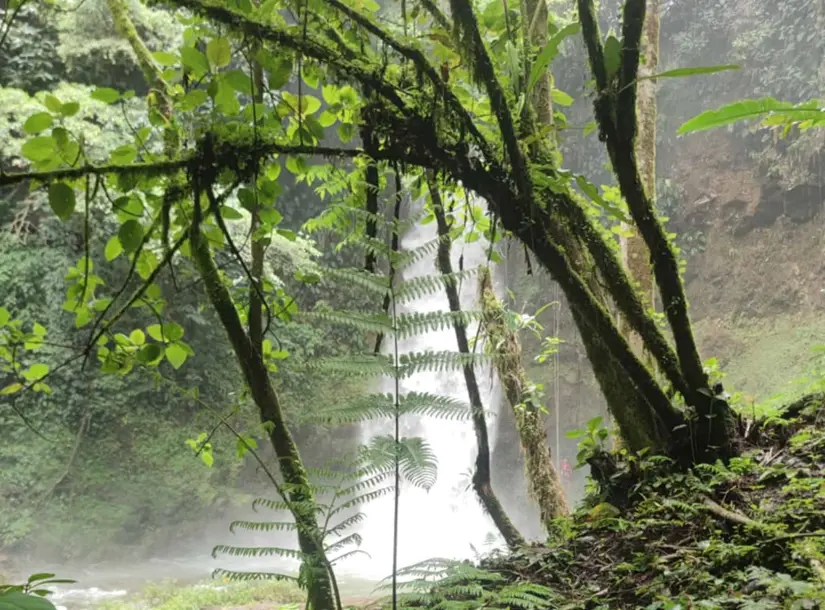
{"x":545,"y":486}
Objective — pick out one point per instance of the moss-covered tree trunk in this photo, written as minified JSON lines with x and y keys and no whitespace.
{"x":482,"y":478}
{"x":635,"y":253}
{"x":545,"y":486}
{"x":322,"y":587}
{"x":302,"y":503}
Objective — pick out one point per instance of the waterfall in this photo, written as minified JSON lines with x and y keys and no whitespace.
{"x":447,"y":521}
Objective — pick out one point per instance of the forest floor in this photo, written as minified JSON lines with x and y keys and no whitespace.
{"x":749,"y":535}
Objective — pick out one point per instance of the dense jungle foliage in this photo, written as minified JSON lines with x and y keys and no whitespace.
{"x":176,"y":174}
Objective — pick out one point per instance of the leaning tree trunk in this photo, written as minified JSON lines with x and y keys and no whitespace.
{"x":502,"y":341}
{"x":482,"y":479}
{"x":299,"y":495}
{"x":323,"y":594}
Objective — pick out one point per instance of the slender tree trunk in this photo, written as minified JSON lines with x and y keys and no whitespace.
{"x":482,"y":479}
{"x":545,"y":486}
{"x":635,"y":253}
{"x":321,"y":594}
{"x":322,"y":587}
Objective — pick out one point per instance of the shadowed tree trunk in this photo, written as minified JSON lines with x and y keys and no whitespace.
{"x":482,"y":480}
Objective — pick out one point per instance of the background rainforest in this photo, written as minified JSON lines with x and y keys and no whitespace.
{"x":107,"y":465}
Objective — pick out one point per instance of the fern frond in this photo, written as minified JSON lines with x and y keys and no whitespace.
{"x":441,"y":361}
{"x":262,"y":526}
{"x":416,"y":323}
{"x":359,"y":365}
{"x":434,"y":405}
{"x":349,"y":554}
{"x":220,"y":573}
{"x":361,"y":499}
{"x":367,"y":483}
{"x":427,"y":285}
{"x":362,"y":322}
{"x":364,"y":408}
{"x":280,"y":505}
{"x":256,"y":551}
{"x":352,"y":539}
{"x":376,"y":284}
{"x":405,"y":258}
{"x":417,"y":460}
{"x":345,"y":524}
{"x":525,"y":596}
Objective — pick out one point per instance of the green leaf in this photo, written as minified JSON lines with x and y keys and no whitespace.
{"x":113,"y":249}
{"x":37,"y":372}
{"x":206,"y":458}
{"x":124,"y":155}
{"x":39,"y":148}
{"x":37,"y":123}
{"x":192,"y":100}
{"x":739,"y":111}
{"x":17,"y":600}
{"x":612,"y":56}
{"x":561,"y":98}
{"x":62,"y":199}
{"x":279,"y":74}
{"x":11,"y":389}
{"x":107,"y":95}
{"x":37,"y":328}
{"x":130,"y":235}
{"x":176,"y":355}
{"x":239,"y":81}
{"x":682,"y":72}
{"x":169,"y":332}
{"x":149,"y":353}
{"x":52,"y":103}
{"x":219,"y":52}
{"x":346,"y":131}
{"x":230,"y":213}
{"x":70,"y":109}
{"x":137,"y":337}
{"x":271,"y":216}
{"x":5,"y":316}
{"x":194,"y":60}
{"x":549,"y":53}
{"x":165,"y":59}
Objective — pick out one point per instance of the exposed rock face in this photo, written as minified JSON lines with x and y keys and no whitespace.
{"x":801,"y":204}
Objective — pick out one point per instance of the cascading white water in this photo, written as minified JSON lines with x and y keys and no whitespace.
{"x":447,"y":521}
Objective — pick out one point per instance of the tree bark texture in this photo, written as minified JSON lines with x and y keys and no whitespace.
{"x":502,"y":341}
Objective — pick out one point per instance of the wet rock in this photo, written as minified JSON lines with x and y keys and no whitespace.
{"x":803,"y":202}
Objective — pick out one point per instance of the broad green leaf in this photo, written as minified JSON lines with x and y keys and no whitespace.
{"x":206,"y":458}
{"x":37,"y":328}
{"x":107,"y":95}
{"x":549,"y":53}
{"x":37,"y":372}
{"x":38,"y":122}
{"x":230,"y":213}
{"x":70,"y":109}
{"x":176,"y":355}
{"x":149,"y":353}
{"x":137,"y":337}
{"x":561,"y":98}
{"x":192,"y":100}
{"x":226,"y":99}
{"x":327,"y":119}
{"x":346,"y":131}
{"x":271,"y":216}
{"x":130,"y":235}
{"x":124,"y":155}
{"x":62,"y":199}
{"x":52,"y":103}
{"x":194,"y":60}
{"x":612,"y":56}
{"x":239,"y":81}
{"x":169,"y":332}
{"x":11,"y":389}
{"x":740,"y":111}
{"x":165,"y":59}
{"x":17,"y":600}
{"x":330,"y":94}
{"x":682,"y":72}
{"x":113,"y":248}
{"x":39,"y":148}
{"x":5,"y":316}
{"x":218,"y":52}
{"x":279,"y":74}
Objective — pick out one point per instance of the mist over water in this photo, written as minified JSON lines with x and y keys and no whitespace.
{"x":447,"y":521}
